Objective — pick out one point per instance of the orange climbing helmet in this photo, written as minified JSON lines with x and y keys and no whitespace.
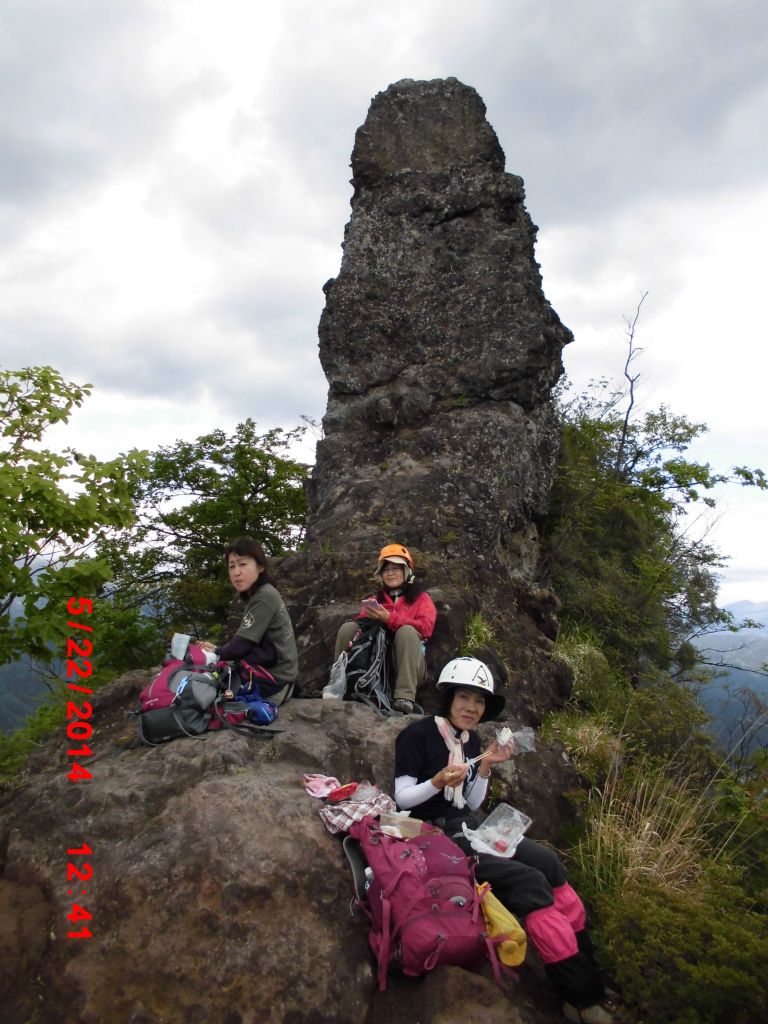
{"x":396,"y":553}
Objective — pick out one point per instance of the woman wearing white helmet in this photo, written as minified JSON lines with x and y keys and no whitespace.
{"x":434,"y":777}
{"x":409,"y":615}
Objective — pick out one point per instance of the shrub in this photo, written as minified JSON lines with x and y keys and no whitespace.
{"x":663,"y":721}
{"x":16,"y":747}
{"x":684,"y":960}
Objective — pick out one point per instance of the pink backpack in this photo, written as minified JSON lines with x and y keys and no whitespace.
{"x":421,"y":902}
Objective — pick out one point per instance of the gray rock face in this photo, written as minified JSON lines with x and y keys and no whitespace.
{"x":441,"y":353}
{"x":217,"y":894}
{"x":438,"y":344}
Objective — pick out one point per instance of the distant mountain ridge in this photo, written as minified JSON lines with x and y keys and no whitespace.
{"x":743,"y":654}
{"x":22,"y":692}
{"x":756,"y":610}
{"x":747,"y":649}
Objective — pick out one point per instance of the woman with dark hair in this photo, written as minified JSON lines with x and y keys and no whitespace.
{"x":264,"y":639}
{"x":408,"y":613}
{"x":435,"y":776}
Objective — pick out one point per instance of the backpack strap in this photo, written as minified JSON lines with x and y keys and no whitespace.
{"x":192,"y":735}
{"x":386,"y":939}
{"x":377,"y":699}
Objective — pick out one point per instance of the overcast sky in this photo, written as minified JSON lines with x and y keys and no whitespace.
{"x":174,"y":185}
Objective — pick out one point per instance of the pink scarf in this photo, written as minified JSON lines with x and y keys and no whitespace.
{"x":454,"y":794}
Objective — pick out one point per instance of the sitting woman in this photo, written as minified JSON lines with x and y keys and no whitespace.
{"x":409,"y":614}
{"x":263,"y":644}
{"x":433,"y":778}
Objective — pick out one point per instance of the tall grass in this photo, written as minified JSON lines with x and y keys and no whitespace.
{"x":649,"y":824}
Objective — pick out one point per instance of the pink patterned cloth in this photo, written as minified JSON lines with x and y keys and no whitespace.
{"x":338,"y":818}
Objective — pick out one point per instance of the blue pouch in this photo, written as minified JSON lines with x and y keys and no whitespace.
{"x":258,"y":711}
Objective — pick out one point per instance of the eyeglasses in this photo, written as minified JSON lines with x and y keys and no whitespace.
{"x":392,"y":567}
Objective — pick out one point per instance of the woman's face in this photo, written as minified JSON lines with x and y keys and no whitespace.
{"x":243,"y":572}
{"x":467,"y":708}
{"x":393,"y":575}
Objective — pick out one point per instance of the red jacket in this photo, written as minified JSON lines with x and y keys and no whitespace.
{"x":420,"y":614}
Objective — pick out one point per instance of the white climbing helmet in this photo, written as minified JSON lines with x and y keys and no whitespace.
{"x":473,"y":674}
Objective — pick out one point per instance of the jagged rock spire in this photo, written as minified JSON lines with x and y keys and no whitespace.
{"x":439,"y":346}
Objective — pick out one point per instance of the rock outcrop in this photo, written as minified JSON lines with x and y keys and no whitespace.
{"x":217,"y":894}
{"x":438,"y":344}
{"x":441,"y":353}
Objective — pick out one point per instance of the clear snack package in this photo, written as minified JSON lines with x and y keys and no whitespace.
{"x":500,"y":833}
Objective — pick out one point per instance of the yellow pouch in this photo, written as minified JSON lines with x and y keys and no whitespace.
{"x":499,"y":921}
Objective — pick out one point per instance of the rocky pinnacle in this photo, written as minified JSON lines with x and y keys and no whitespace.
{"x":439,"y":346}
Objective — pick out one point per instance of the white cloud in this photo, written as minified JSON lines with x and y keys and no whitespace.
{"x":175,"y":189}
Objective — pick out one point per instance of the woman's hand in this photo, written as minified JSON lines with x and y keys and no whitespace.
{"x":378,"y":614}
{"x":451,"y":775}
{"x":206,"y":645}
{"x":497,"y":754}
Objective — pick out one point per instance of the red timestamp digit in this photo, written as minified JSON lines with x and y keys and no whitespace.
{"x":83,"y":671}
{"x":78,"y":913}
{"x":85,"y":848}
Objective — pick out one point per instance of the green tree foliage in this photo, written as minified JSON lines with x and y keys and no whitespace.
{"x":617,"y":544}
{"x":673,"y":857}
{"x":55,"y":508}
{"x":198,"y":496}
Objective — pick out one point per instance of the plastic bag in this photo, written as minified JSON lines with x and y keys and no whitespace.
{"x":337,"y":686}
{"x":524,"y":740}
{"x":500,"y":833}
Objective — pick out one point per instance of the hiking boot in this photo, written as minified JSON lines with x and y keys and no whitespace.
{"x":589,"y":1015}
{"x":406,"y":707}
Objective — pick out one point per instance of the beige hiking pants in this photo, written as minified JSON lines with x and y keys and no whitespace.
{"x":410,"y":663}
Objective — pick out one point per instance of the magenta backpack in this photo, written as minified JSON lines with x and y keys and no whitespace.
{"x":421,"y":901}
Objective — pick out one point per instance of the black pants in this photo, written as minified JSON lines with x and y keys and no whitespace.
{"x":524,"y":883}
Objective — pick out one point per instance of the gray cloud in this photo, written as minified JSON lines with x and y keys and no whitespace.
{"x":79,"y":96}
{"x":597,"y":105}
{"x":601,"y":108}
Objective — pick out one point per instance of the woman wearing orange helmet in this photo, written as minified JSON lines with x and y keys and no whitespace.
{"x":408,"y":612}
